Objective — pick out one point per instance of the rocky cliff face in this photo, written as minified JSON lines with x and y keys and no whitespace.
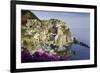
{"x":52,"y":37}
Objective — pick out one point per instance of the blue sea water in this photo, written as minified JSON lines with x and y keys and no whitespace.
{"x":81,"y":52}
{"x":79,"y":24}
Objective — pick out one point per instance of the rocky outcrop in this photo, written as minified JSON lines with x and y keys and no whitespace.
{"x":51,"y":35}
